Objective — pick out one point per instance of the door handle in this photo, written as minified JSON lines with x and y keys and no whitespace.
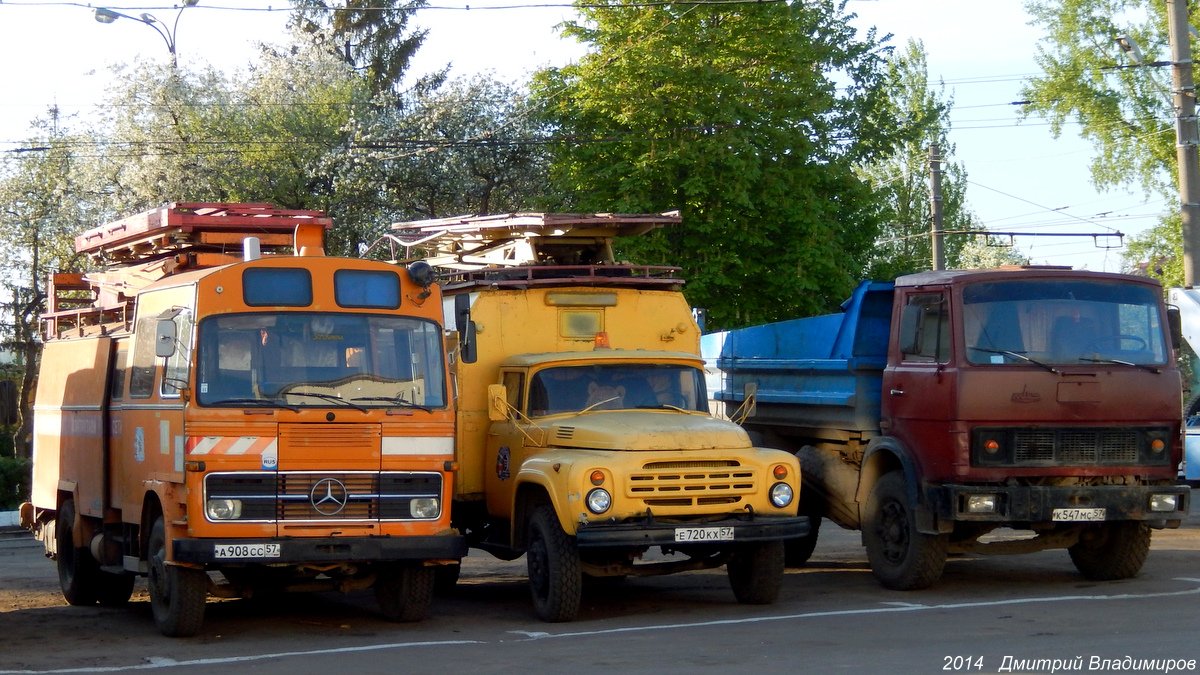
{"x":896,"y":392}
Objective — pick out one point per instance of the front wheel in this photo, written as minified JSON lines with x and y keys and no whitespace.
{"x":405,"y":592}
{"x":78,"y":571}
{"x":177,"y":594}
{"x":1111,"y":551}
{"x":901,"y":558}
{"x":756,"y":572}
{"x":797,"y":551}
{"x":555,"y":580}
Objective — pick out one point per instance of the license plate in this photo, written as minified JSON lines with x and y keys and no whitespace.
{"x":1076,"y":515}
{"x":225,"y":551}
{"x":691,"y":534}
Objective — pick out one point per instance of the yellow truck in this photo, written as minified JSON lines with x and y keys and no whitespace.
{"x":584,"y":438}
{"x":234,"y":427}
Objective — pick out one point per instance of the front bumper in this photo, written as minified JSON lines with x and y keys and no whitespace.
{"x":326,"y":549}
{"x":1036,"y":504}
{"x":662,"y":533}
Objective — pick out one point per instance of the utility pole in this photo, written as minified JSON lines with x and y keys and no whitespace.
{"x":935,"y":207}
{"x":1184,"y":95}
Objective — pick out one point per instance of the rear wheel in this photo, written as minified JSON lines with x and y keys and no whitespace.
{"x":405,"y":592}
{"x":1111,"y":551}
{"x":756,"y":572}
{"x":177,"y":594}
{"x":901,"y":558}
{"x":78,"y":571}
{"x":555,"y":580}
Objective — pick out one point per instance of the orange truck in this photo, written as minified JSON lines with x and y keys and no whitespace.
{"x":228,"y":423}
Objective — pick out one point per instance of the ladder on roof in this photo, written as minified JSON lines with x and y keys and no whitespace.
{"x":143,"y":248}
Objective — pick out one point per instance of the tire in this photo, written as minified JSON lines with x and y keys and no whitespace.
{"x":555,"y":580}
{"x":902,"y":558}
{"x":756,"y":572}
{"x":797,"y":551}
{"x":405,"y":592}
{"x":445,"y":578}
{"x":78,"y":571}
{"x":114,"y":589}
{"x":177,"y":594}
{"x":1111,"y":551}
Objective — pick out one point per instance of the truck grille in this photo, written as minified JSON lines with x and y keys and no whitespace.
{"x":315,"y":496}
{"x":692,"y":483}
{"x":1071,"y":446}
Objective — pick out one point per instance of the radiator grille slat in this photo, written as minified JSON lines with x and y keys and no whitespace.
{"x":317,"y":496}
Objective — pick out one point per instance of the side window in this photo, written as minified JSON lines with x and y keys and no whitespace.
{"x":932,"y":344}
{"x":175,"y":376}
{"x":141,"y":377}
{"x":513,"y":383}
{"x":117,"y":384}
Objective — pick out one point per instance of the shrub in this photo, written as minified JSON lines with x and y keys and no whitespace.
{"x":15,"y":477}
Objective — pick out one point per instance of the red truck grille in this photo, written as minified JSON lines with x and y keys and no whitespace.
{"x":1071,"y":446}
{"x":692,"y":483}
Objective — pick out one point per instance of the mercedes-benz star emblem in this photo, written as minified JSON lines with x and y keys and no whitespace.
{"x":328,"y":496}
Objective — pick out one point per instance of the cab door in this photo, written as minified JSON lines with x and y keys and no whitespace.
{"x":505,"y":449}
{"x":920,"y":381}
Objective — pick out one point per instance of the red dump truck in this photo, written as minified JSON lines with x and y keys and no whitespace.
{"x":936,"y":409}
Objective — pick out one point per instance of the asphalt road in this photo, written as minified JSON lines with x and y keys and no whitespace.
{"x":1030,"y":613}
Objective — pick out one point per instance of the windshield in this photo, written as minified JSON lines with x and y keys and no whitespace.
{"x":314,"y":359}
{"x":1065,"y":322}
{"x":616,"y":387}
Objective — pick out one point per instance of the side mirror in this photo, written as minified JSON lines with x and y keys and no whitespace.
{"x":164,"y":338}
{"x":1175,"y":325}
{"x":497,"y":402}
{"x":466,"y":329}
{"x":910,"y":329}
{"x":749,"y":403}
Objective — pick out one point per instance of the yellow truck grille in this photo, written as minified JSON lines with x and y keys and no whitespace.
{"x":692,"y":483}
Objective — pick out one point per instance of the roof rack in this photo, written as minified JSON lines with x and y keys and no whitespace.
{"x":143,"y":248}
{"x":465,"y":243}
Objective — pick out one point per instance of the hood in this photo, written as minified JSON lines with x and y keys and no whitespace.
{"x":643,"y":430}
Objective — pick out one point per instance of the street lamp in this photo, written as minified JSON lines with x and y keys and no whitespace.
{"x":105,"y":15}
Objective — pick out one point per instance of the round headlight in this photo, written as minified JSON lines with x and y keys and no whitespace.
{"x":781,"y":495}
{"x":599,"y":501}
{"x":223,"y":509}
{"x":424,"y":507}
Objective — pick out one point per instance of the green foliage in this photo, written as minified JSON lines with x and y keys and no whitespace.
{"x":15,"y":478}
{"x":747,"y":119}
{"x":904,"y":245}
{"x":1123,"y":106}
{"x":1158,"y":252}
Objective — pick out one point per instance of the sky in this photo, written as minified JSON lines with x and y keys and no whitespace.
{"x":1021,"y":179}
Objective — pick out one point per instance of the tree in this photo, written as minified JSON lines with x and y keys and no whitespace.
{"x":1121,"y":101}
{"x":904,"y":244}
{"x":43,"y":207}
{"x":371,"y":36}
{"x":749,"y":119}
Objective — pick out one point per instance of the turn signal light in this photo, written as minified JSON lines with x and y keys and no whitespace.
{"x":601,"y":341}
{"x":779,"y":471}
{"x":1158,"y":445}
{"x":597,"y":477}
{"x":991,"y":446}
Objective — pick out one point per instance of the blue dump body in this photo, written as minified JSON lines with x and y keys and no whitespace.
{"x":823,"y":372}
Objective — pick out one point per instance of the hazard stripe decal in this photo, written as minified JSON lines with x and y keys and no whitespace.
{"x":232,"y":445}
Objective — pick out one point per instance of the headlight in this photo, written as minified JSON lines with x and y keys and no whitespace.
{"x":599,"y":501}
{"x":1162,"y":503}
{"x":223,"y":509}
{"x":981,"y":503}
{"x":781,"y":495}
{"x":424,"y":507}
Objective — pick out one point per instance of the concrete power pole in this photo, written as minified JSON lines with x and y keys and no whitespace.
{"x":935,"y":207}
{"x":1184,"y":93}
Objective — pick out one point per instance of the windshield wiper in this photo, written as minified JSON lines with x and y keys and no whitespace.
{"x":1119,"y":362}
{"x":1016,"y":355}
{"x":259,"y":402}
{"x":327,"y":397}
{"x":394,"y":400}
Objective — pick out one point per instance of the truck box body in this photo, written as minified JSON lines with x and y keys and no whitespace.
{"x":1031,"y":398}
